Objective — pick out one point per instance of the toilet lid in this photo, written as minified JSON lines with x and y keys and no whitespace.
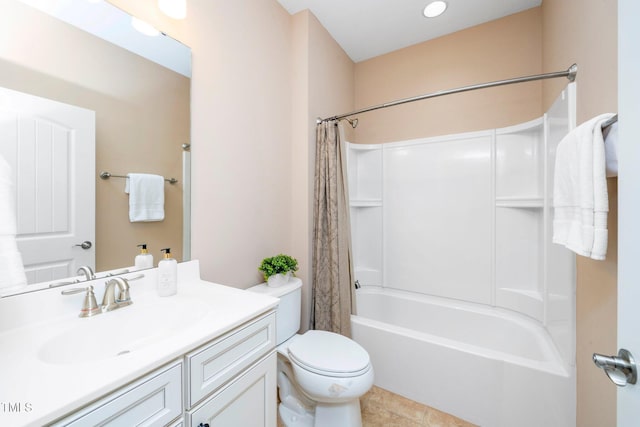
{"x":328,"y":353}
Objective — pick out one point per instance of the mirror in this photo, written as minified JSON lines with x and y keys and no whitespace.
{"x":142,"y":111}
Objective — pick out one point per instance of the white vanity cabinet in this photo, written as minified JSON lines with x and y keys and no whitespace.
{"x":154,"y":400}
{"x":230,"y":381}
{"x":249,"y":400}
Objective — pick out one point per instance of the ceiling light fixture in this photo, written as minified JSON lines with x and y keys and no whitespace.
{"x":435,"y":8}
{"x":176,"y":9}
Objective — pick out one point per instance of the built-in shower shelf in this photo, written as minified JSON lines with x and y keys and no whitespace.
{"x":365,"y":203}
{"x":519,"y":202}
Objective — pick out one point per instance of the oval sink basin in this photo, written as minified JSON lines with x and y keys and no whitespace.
{"x":121,"y":331}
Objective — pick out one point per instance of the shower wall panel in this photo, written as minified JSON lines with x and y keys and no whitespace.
{"x":437,"y":211}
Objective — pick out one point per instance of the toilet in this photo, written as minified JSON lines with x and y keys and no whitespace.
{"x":321,"y":375}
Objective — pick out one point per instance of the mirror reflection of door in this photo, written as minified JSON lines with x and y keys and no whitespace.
{"x":50,"y":147}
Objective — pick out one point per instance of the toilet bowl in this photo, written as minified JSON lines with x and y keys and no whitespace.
{"x":321,"y":375}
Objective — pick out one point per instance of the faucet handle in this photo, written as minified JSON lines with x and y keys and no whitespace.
{"x":90,"y":305}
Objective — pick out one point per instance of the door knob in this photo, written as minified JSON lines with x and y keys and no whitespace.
{"x":620,"y":369}
{"x":84,"y":245}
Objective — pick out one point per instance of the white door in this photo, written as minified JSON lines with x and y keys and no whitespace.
{"x":629,"y":201}
{"x":50,"y":147}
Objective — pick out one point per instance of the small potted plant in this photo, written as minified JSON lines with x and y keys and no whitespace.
{"x":278,"y":269}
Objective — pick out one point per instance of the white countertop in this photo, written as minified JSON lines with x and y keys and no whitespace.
{"x":34,"y":391}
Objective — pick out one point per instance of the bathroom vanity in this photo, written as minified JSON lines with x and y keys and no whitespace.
{"x":203,"y":356}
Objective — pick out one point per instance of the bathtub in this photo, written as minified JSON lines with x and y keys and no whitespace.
{"x":489,"y":366}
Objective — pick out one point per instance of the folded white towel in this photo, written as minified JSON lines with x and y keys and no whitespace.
{"x":146,"y":197}
{"x":580,"y":196}
{"x":611,"y":150}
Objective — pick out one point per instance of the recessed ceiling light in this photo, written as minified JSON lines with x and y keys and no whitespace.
{"x":435,"y":8}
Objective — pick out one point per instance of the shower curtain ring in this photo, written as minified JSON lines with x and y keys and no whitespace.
{"x":352,"y":122}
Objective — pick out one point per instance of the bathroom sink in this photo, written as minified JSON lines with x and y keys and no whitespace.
{"x":121,"y":331}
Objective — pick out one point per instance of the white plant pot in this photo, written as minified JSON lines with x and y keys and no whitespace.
{"x":279,"y":279}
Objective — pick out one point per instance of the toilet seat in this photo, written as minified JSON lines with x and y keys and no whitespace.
{"x":329,"y":354}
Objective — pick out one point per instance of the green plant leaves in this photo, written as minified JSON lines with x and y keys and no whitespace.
{"x":278,"y":264}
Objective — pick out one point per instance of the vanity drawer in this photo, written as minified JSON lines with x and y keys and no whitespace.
{"x":248,"y":400}
{"x":211,"y":366}
{"x":155,"y":399}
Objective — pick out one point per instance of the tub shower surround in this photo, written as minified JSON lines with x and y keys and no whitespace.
{"x":453,"y":234}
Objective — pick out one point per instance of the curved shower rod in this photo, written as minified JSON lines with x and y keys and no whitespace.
{"x":570,"y":74}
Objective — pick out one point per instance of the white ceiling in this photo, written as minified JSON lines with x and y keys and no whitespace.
{"x":368,"y":28}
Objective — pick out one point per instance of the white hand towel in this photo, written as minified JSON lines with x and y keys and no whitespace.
{"x":611,"y":150}
{"x":580,"y":196}
{"x":146,"y":197}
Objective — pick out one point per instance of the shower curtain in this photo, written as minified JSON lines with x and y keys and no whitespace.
{"x":333,"y":298}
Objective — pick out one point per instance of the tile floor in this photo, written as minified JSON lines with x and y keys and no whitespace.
{"x":381,"y":408}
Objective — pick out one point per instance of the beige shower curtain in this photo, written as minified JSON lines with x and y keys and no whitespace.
{"x":333,"y":293}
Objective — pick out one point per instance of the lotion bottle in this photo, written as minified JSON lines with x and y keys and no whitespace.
{"x":167,"y":275}
{"x":144,"y":259}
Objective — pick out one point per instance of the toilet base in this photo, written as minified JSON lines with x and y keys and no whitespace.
{"x":326,"y":415}
{"x":338,"y":414}
{"x":291,"y":418}
{"x":298,"y":410}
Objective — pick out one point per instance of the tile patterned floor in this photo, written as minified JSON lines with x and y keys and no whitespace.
{"x":381,"y":408}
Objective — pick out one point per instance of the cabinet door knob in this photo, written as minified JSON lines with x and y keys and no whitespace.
{"x":203,"y":425}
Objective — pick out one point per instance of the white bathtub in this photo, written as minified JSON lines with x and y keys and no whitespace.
{"x":489,"y":366}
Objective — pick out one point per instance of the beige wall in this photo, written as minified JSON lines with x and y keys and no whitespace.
{"x":255,"y":98}
{"x":241,"y":132}
{"x":142,"y":118}
{"x":585,"y":32}
{"x":505,"y":48}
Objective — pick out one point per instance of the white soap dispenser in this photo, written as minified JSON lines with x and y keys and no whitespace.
{"x":167,"y":275}
{"x":144,"y":259}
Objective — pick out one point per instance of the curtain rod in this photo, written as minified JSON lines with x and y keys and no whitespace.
{"x":570,"y":74}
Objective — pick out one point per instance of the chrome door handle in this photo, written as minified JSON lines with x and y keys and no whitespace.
{"x":620,"y":369}
{"x":85,"y":245}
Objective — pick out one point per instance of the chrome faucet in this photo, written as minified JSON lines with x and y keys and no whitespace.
{"x":109,"y":300}
{"x":87,"y":272}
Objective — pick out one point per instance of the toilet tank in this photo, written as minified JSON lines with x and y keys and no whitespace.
{"x":288,"y":311}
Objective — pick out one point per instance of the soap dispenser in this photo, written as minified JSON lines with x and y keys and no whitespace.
{"x":167,"y":275}
{"x":144,"y":259}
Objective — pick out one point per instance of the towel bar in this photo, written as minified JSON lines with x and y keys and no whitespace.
{"x":107,"y":175}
